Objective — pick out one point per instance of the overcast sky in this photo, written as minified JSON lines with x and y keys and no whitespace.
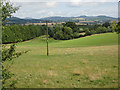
{"x":40,"y":9}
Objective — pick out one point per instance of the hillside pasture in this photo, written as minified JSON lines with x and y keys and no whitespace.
{"x":88,"y":62}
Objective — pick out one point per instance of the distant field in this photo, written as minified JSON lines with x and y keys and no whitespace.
{"x":88,"y":62}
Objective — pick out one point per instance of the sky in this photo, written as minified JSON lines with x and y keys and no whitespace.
{"x":40,"y":9}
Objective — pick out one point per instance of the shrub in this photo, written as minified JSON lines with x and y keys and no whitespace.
{"x":58,"y":35}
{"x":8,"y":54}
{"x":87,"y":31}
{"x":75,"y":35}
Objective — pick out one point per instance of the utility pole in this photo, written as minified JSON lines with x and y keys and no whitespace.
{"x":47,"y":37}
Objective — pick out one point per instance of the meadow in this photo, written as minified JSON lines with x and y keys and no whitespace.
{"x":87,"y":62}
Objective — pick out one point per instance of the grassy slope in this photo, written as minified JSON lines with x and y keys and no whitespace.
{"x":85,"y":62}
{"x":94,"y":40}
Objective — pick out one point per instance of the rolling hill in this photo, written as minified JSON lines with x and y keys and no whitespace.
{"x":95,"y":19}
{"x":87,"y":62}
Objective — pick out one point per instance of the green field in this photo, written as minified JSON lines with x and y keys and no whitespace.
{"x":88,"y":62}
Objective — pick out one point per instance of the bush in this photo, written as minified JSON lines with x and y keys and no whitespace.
{"x":8,"y":54}
{"x":118,"y":27}
{"x":75,"y":35}
{"x":87,"y":32}
{"x":68,"y":30}
{"x":93,"y":32}
{"x":99,"y":30}
{"x":59,"y":35}
{"x":81,"y":30}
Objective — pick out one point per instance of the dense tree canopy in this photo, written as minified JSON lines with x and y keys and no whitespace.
{"x":72,"y":25}
{"x":106,"y":24}
{"x":18,"y":33}
{"x":118,"y":27}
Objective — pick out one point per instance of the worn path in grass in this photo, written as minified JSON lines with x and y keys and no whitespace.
{"x":86,"y":62}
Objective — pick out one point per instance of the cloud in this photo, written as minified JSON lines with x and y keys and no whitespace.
{"x":94,"y":0}
{"x":36,"y":4}
{"x":51,"y":13}
{"x":51,"y":4}
{"x":35,"y":9}
{"x":81,"y":4}
{"x":64,"y":0}
{"x":45,"y":9}
{"x":41,"y":11}
{"x":119,"y":9}
{"x":75,"y":4}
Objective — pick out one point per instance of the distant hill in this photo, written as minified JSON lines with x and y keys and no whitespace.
{"x":28,"y":18}
{"x":99,"y":18}
{"x":91,"y":18}
{"x":95,"y":19}
{"x":16,"y":20}
{"x":58,"y":19}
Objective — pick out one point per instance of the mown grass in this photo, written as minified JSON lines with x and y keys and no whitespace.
{"x":88,"y":62}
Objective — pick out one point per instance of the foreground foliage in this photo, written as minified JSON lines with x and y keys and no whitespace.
{"x":8,"y":54}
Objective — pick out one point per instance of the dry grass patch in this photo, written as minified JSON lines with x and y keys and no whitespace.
{"x":95,"y":76}
{"x":44,"y":81}
{"x":77,"y":72}
{"x":84,"y":61}
{"x":52,"y":73}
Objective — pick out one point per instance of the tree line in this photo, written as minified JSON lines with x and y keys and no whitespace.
{"x":65,"y":31}
{"x":70,"y":30}
{"x":19,"y":33}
